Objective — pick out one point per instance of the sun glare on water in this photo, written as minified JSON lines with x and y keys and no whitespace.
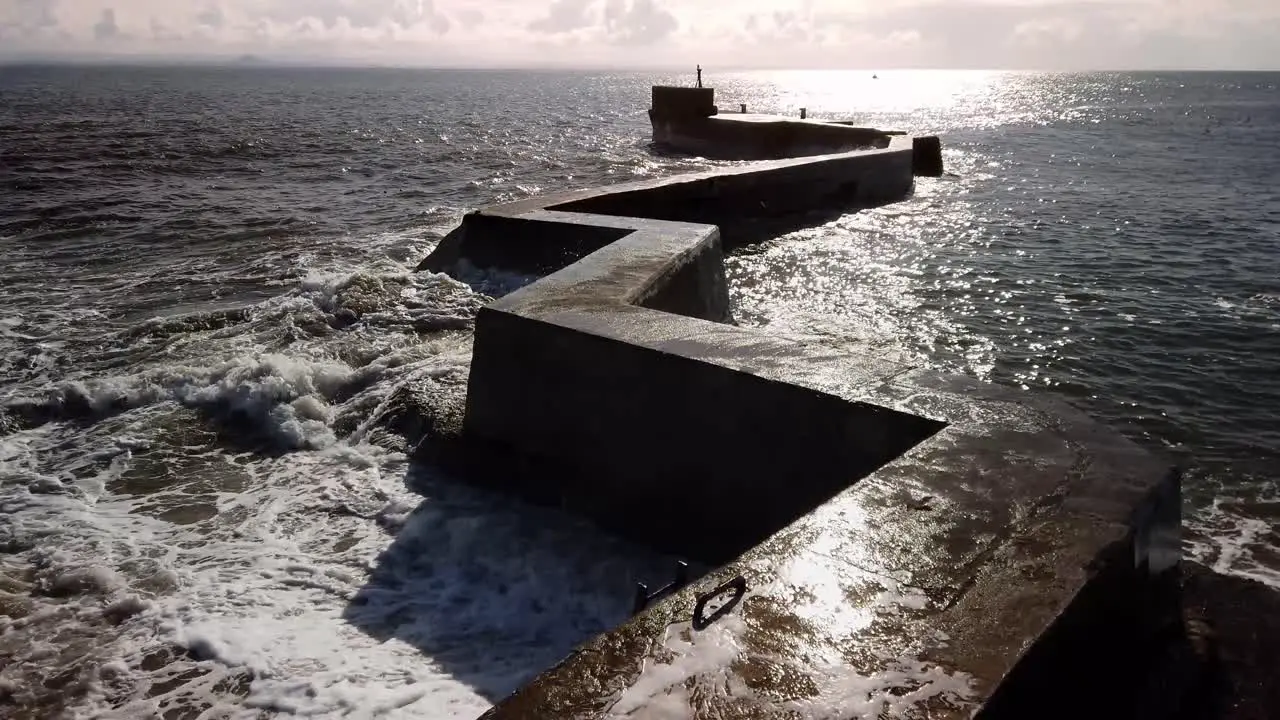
{"x":826,"y":93}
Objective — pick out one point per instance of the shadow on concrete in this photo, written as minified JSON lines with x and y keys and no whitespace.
{"x":744,"y":218}
{"x":494,"y":591}
{"x":1212,"y":656}
{"x":546,"y":247}
{"x":747,"y":234}
{"x":1234,"y":623}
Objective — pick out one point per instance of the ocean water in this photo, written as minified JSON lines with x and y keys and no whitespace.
{"x":208,"y":309}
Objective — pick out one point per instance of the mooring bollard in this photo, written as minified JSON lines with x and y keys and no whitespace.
{"x":804,"y":112}
{"x":643,"y":597}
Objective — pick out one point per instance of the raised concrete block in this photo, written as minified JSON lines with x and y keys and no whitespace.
{"x":926,"y":158}
{"x":682,"y":103}
{"x":653,"y":442}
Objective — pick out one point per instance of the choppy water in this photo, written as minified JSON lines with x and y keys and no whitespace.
{"x":207,"y":308}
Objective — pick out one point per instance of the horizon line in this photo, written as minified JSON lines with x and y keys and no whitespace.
{"x":254,"y":61}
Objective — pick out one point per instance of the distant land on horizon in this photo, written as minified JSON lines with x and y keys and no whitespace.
{"x":268,"y":61}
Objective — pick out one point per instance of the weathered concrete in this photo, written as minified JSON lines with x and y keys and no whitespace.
{"x":731,"y":198}
{"x":653,"y":441}
{"x":905,"y":543}
{"x":950,"y":569}
{"x":682,"y":103}
{"x":926,"y":160}
{"x":762,"y":137}
{"x":686,"y":120}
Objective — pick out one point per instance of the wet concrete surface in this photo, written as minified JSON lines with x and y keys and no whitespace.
{"x":934,"y":587}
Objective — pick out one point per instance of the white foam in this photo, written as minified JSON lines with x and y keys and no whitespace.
{"x":266,"y":596}
{"x":907,"y":683}
{"x":1225,"y":538}
{"x":281,"y":395}
{"x":257,"y":569}
{"x":263,"y":583}
{"x":662,"y":690}
{"x":705,"y":654}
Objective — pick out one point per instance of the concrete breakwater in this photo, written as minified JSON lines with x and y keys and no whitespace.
{"x":888,"y":540}
{"x":687,"y":120}
{"x":516,"y":235}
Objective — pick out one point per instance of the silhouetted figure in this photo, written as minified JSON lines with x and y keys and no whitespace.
{"x":699,"y":76}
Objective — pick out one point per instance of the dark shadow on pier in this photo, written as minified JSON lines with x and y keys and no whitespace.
{"x":495,"y":591}
{"x":529,"y":250}
{"x":1232,"y":623}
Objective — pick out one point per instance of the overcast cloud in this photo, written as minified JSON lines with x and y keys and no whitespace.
{"x":1052,"y":34}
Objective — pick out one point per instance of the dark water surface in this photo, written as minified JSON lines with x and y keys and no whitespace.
{"x":196,"y":479}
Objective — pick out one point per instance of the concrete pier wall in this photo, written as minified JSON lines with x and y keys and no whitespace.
{"x":896,"y":541}
{"x":875,"y":176}
{"x":502,"y":236}
{"x":653,"y":425}
{"x":752,"y":137}
{"x":686,"y":120}
{"x":683,"y":103}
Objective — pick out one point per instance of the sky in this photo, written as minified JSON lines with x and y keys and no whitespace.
{"x":879,"y":34}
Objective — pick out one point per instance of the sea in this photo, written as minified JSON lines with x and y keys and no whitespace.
{"x":208,"y":302}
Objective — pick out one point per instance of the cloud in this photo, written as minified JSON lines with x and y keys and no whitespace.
{"x":640,"y":22}
{"x":470,"y":17}
{"x":438,"y":22}
{"x":31,"y":13}
{"x":1051,"y":34}
{"x":995,"y":34}
{"x":211,"y":17}
{"x":164,"y":33}
{"x":779,"y":26}
{"x":618,"y":22}
{"x":27,"y":18}
{"x":1051,"y":30}
{"x":361,"y":14}
{"x":563,"y":16}
{"x":106,"y":28}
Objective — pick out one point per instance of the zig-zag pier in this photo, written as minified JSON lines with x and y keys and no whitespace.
{"x":886,"y":540}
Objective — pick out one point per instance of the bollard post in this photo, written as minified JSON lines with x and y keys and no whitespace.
{"x":682,"y":575}
{"x":926,"y":156}
{"x":804,"y":112}
{"x":641,"y":598}
{"x":744,"y":108}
